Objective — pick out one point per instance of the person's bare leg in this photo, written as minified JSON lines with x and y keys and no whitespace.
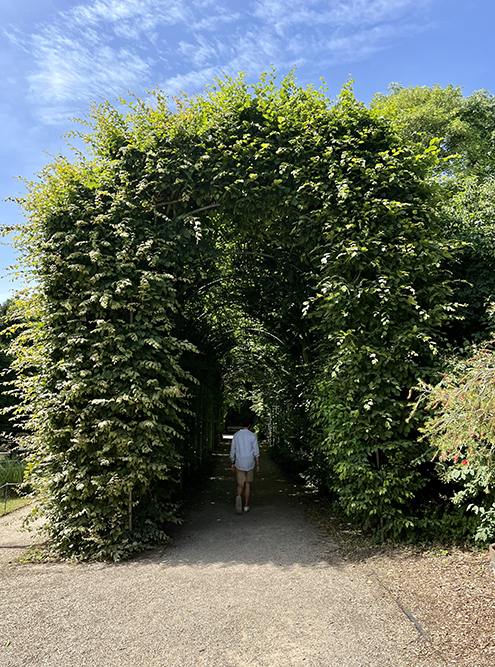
{"x":238,"y":500}
{"x":247,"y":493}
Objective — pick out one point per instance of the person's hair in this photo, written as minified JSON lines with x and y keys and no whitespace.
{"x":246,"y":421}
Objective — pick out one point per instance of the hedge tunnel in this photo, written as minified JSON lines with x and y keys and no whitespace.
{"x":258,"y":242}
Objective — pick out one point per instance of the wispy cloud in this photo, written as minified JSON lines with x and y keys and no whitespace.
{"x":131,"y":16}
{"x":105,"y":47}
{"x":72,"y":66}
{"x":350,"y":13}
{"x":301,"y":32}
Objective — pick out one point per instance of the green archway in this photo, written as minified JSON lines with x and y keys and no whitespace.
{"x":251,"y":215}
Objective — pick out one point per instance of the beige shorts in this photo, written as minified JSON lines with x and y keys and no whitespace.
{"x":244,"y":475}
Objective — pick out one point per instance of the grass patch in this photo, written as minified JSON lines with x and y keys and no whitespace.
{"x":12,"y":504}
{"x":12,"y":471}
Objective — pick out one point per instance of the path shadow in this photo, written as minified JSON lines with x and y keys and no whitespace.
{"x":275,"y":530}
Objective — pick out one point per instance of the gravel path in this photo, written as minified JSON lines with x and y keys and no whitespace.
{"x":265,"y":588}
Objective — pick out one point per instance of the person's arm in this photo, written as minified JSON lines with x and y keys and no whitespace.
{"x":257,"y":458}
{"x":232,"y":454}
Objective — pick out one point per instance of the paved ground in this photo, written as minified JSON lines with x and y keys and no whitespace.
{"x":262,"y":589}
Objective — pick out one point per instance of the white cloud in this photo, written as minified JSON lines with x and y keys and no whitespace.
{"x":141,"y":15}
{"x":71,"y":69}
{"x":329,"y":32}
{"x":16,"y":38}
{"x":105,"y":47}
{"x":251,"y":52}
{"x":336,"y":13}
{"x":194,"y":80}
{"x":203,"y":52}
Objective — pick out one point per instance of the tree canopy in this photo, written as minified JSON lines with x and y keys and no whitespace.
{"x":463,"y":126}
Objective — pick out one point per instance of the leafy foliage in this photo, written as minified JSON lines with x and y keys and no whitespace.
{"x":463,"y":129}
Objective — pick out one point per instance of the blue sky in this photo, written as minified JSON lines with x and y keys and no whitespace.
{"x":57,"y":55}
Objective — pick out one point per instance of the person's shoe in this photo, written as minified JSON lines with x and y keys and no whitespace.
{"x":238,"y":504}
{"x":246,"y":509}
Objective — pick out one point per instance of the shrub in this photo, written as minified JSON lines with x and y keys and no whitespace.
{"x":461,"y":431}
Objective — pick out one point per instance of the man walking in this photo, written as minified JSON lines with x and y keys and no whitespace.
{"x":244,"y":455}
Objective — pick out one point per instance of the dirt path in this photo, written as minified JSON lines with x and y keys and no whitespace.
{"x":262,"y":589}
{"x":14,"y":540}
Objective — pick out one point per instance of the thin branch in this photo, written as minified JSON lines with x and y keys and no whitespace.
{"x":198,"y":210}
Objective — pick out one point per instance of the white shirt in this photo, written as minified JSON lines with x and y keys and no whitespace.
{"x":244,"y":449}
